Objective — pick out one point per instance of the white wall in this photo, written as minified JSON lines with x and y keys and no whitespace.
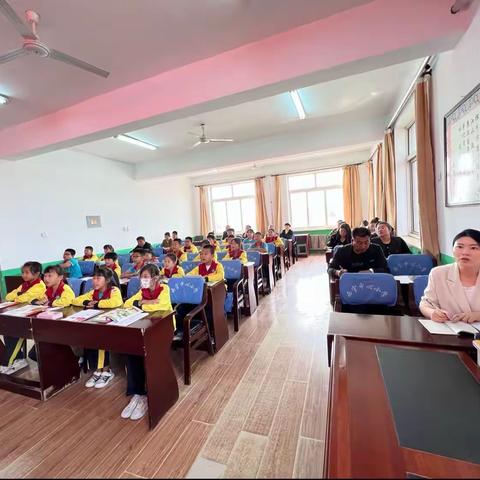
{"x":455,"y":74}
{"x":54,"y":192}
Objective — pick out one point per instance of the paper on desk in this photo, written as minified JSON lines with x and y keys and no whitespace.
{"x":83,"y":315}
{"x":27,"y":310}
{"x":120,"y":316}
{"x":459,"y":327}
{"x":436,"y":327}
{"x":6,"y":304}
{"x":404,"y":279}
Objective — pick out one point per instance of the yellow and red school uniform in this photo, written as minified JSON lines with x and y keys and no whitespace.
{"x":111,"y":298}
{"x":93,"y":258}
{"x":175,"y":272}
{"x":62,"y":296}
{"x":116,"y":268}
{"x":192,"y":249}
{"x":27,"y":292}
{"x":161,"y":294}
{"x":275,"y":239}
{"x":213,"y":273}
{"x":237,"y":255}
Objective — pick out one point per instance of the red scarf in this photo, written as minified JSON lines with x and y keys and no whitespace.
{"x":187,"y":249}
{"x":28,"y":285}
{"x":169,"y":273}
{"x":271,"y":239}
{"x":106,"y":295}
{"x":138,"y":267}
{"x":258,"y":244}
{"x":147,"y":294}
{"x":52,"y":295}
{"x":236,"y":255}
{"x":112,"y":267}
{"x":179,"y":254}
{"x":204,"y":271}
{"x":86,"y":258}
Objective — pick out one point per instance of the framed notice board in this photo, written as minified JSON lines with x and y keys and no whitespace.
{"x":462,"y":151}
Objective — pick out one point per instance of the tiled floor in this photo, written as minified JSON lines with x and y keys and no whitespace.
{"x":256,"y":409}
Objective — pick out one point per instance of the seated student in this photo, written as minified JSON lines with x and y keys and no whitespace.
{"x":226,"y":232}
{"x":30,"y":290}
{"x":167,"y":242}
{"x":188,"y":246}
{"x":373,"y":226}
{"x":174,"y":235}
{"x":249,"y":238}
{"x":88,"y":255}
{"x":453,"y":290}
{"x":171,"y":268}
{"x":272,"y":237}
{"x":228,"y":244}
{"x":58,"y":292}
{"x":141,"y":243}
{"x":177,"y":250}
{"x":152,"y":297}
{"x":342,"y":237}
{"x":213,"y":241}
{"x":388,"y":242}
{"x":111,"y":262}
{"x":149,"y":257}
{"x":103,"y":295}
{"x":106,"y":249}
{"x":287,"y":232}
{"x":245,"y":232}
{"x":138,"y":260}
{"x":359,"y":256}
{"x":70,"y":264}
{"x":235,"y":252}
{"x":258,"y":245}
{"x":230,"y":233}
{"x":206,"y":243}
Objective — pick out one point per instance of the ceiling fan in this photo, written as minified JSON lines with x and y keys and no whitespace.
{"x":204,"y":139}
{"x":33,"y":46}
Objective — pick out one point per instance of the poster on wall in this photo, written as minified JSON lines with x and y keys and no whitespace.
{"x":462,"y":151}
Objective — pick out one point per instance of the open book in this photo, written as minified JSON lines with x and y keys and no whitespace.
{"x":120,"y":316}
{"x":451,"y":328}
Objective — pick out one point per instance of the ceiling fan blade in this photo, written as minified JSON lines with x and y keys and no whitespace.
{"x":221,"y":139}
{"x":12,"y":55}
{"x":195,"y":145}
{"x":16,"y":21}
{"x":63,"y":57}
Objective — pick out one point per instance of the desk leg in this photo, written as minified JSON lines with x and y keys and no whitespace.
{"x":330,"y":339}
{"x":162,"y":386}
{"x":216,"y":301}
{"x":251,"y":305}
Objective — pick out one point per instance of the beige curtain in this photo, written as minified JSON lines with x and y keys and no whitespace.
{"x":204,"y":211}
{"x":426,"y":169}
{"x":379,"y":197}
{"x":389,"y":185}
{"x":371,"y":191}
{"x":261,"y":205}
{"x":352,"y":202}
{"x":277,"y":219}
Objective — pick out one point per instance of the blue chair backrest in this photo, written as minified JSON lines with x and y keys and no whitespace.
{"x":271,"y":248}
{"x":87,"y":285}
{"x":408,"y":264}
{"x":246,"y":243}
{"x":186,"y":290}
{"x":221,"y":254}
{"x":419,"y":286}
{"x":191,"y":256}
{"x":228,"y":304}
{"x":189,"y":266}
{"x":75,"y":285}
{"x":133,"y":286}
{"x":87,"y":268}
{"x":126,"y":266}
{"x":123,"y":259}
{"x":233,"y":269}
{"x":368,"y":289}
{"x":157,"y":251}
{"x":255,"y":258}
{"x":160,"y":257}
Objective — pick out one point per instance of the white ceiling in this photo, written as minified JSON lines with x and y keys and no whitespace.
{"x":368,"y":96}
{"x":134,"y":39}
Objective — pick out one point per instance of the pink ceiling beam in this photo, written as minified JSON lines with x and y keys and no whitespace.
{"x":371,"y":30}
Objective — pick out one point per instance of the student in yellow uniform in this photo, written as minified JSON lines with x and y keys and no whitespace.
{"x":88,"y":255}
{"x":209,"y":269}
{"x":31,"y":289}
{"x":235,"y":252}
{"x":273,"y":237}
{"x":111,"y":262}
{"x":149,"y":257}
{"x":188,"y":246}
{"x":103,"y":295}
{"x":138,"y":259}
{"x":205,"y":243}
{"x":230,"y":233}
{"x":58,"y":293}
{"x":178,"y":251}
{"x":106,"y":249}
{"x":171,"y":268}
{"x":152,"y":297}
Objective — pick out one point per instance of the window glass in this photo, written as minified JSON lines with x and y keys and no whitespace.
{"x":221,"y":191}
{"x":301,"y":182}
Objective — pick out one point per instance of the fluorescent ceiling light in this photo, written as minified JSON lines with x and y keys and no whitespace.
{"x":298,"y":104}
{"x":135,"y":141}
{"x":4,"y":100}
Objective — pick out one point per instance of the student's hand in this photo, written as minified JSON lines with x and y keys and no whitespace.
{"x":466,"y":317}
{"x":42,"y":301}
{"x":341,"y":272}
{"x":148,"y":302}
{"x":92,"y":304}
{"x":439,"y":315}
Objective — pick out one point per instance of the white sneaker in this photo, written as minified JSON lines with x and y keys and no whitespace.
{"x":141,"y":409}
{"x":105,"y":379}
{"x":17,"y":365}
{"x":91,"y":382}
{"x":128,"y":410}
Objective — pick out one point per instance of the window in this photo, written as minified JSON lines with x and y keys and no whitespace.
{"x":316,"y":199}
{"x":234,"y":205}
{"x":414,"y":222}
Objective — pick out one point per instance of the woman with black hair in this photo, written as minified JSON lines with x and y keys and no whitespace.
{"x":342,"y":237}
{"x":453,"y":291}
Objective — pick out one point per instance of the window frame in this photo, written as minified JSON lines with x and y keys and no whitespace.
{"x":411,"y":161}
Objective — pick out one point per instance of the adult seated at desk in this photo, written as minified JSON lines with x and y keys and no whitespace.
{"x":106,"y":249}
{"x":167,"y":242}
{"x":211,"y":271}
{"x":177,"y":250}
{"x":171,"y":268}
{"x":359,"y":256}
{"x":111,"y":262}
{"x":335,"y":230}
{"x":70,"y":264}
{"x":88,"y":255}
{"x":287,"y":232}
{"x":141,"y":243}
{"x":188,"y":246}
{"x":235,"y":252}
{"x":30,"y":290}
{"x":258,"y":244}
{"x":153,"y":296}
{"x":389,"y":243}
{"x":138,"y":259}
{"x":103,"y":295}
{"x":343,"y":236}
{"x":453,"y":291}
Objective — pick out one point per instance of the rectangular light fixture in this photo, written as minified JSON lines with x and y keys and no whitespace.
{"x":135,"y":141}
{"x":4,"y":100}
{"x":298,"y":104}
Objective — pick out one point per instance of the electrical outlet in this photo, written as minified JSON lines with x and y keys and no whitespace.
{"x":43,"y":234}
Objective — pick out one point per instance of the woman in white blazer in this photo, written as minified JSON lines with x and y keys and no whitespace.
{"x":453,"y":291}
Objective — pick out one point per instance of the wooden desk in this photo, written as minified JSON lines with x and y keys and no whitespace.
{"x":249,"y":295}
{"x":402,"y":330}
{"x":216,"y":293}
{"x":361,"y":439}
{"x":328,"y":255}
{"x":267,"y":271}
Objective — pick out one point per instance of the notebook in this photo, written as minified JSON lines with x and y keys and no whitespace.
{"x":451,"y":328}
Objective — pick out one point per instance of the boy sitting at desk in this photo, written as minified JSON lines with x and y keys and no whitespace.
{"x":111,"y":262}
{"x":178,"y":251}
{"x":188,"y":246}
{"x":235,"y":251}
{"x":138,"y":259}
{"x":258,"y":245}
{"x":70,"y":264}
{"x":88,"y":255}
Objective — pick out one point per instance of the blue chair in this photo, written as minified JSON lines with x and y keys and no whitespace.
{"x":191,"y":291}
{"x":133,"y":286}
{"x":191,"y":256}
{"x":221,"y":254}
{"x":157,"y":251}
{"x":123,"y":259}
{"x":87,"y":268}
{"x":256,"y":258}
{"x":126,"y":266}
{"x":189,"y":266}
{"x":419,"y":285}
{"x":87,"y":285}
{"x":271,"y":248}
{"x":408,"y":264}
{"x":160,"y":257}
{"x":75,"y":284}
{"x":234,"y":300}
{"x":369,"y":293}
